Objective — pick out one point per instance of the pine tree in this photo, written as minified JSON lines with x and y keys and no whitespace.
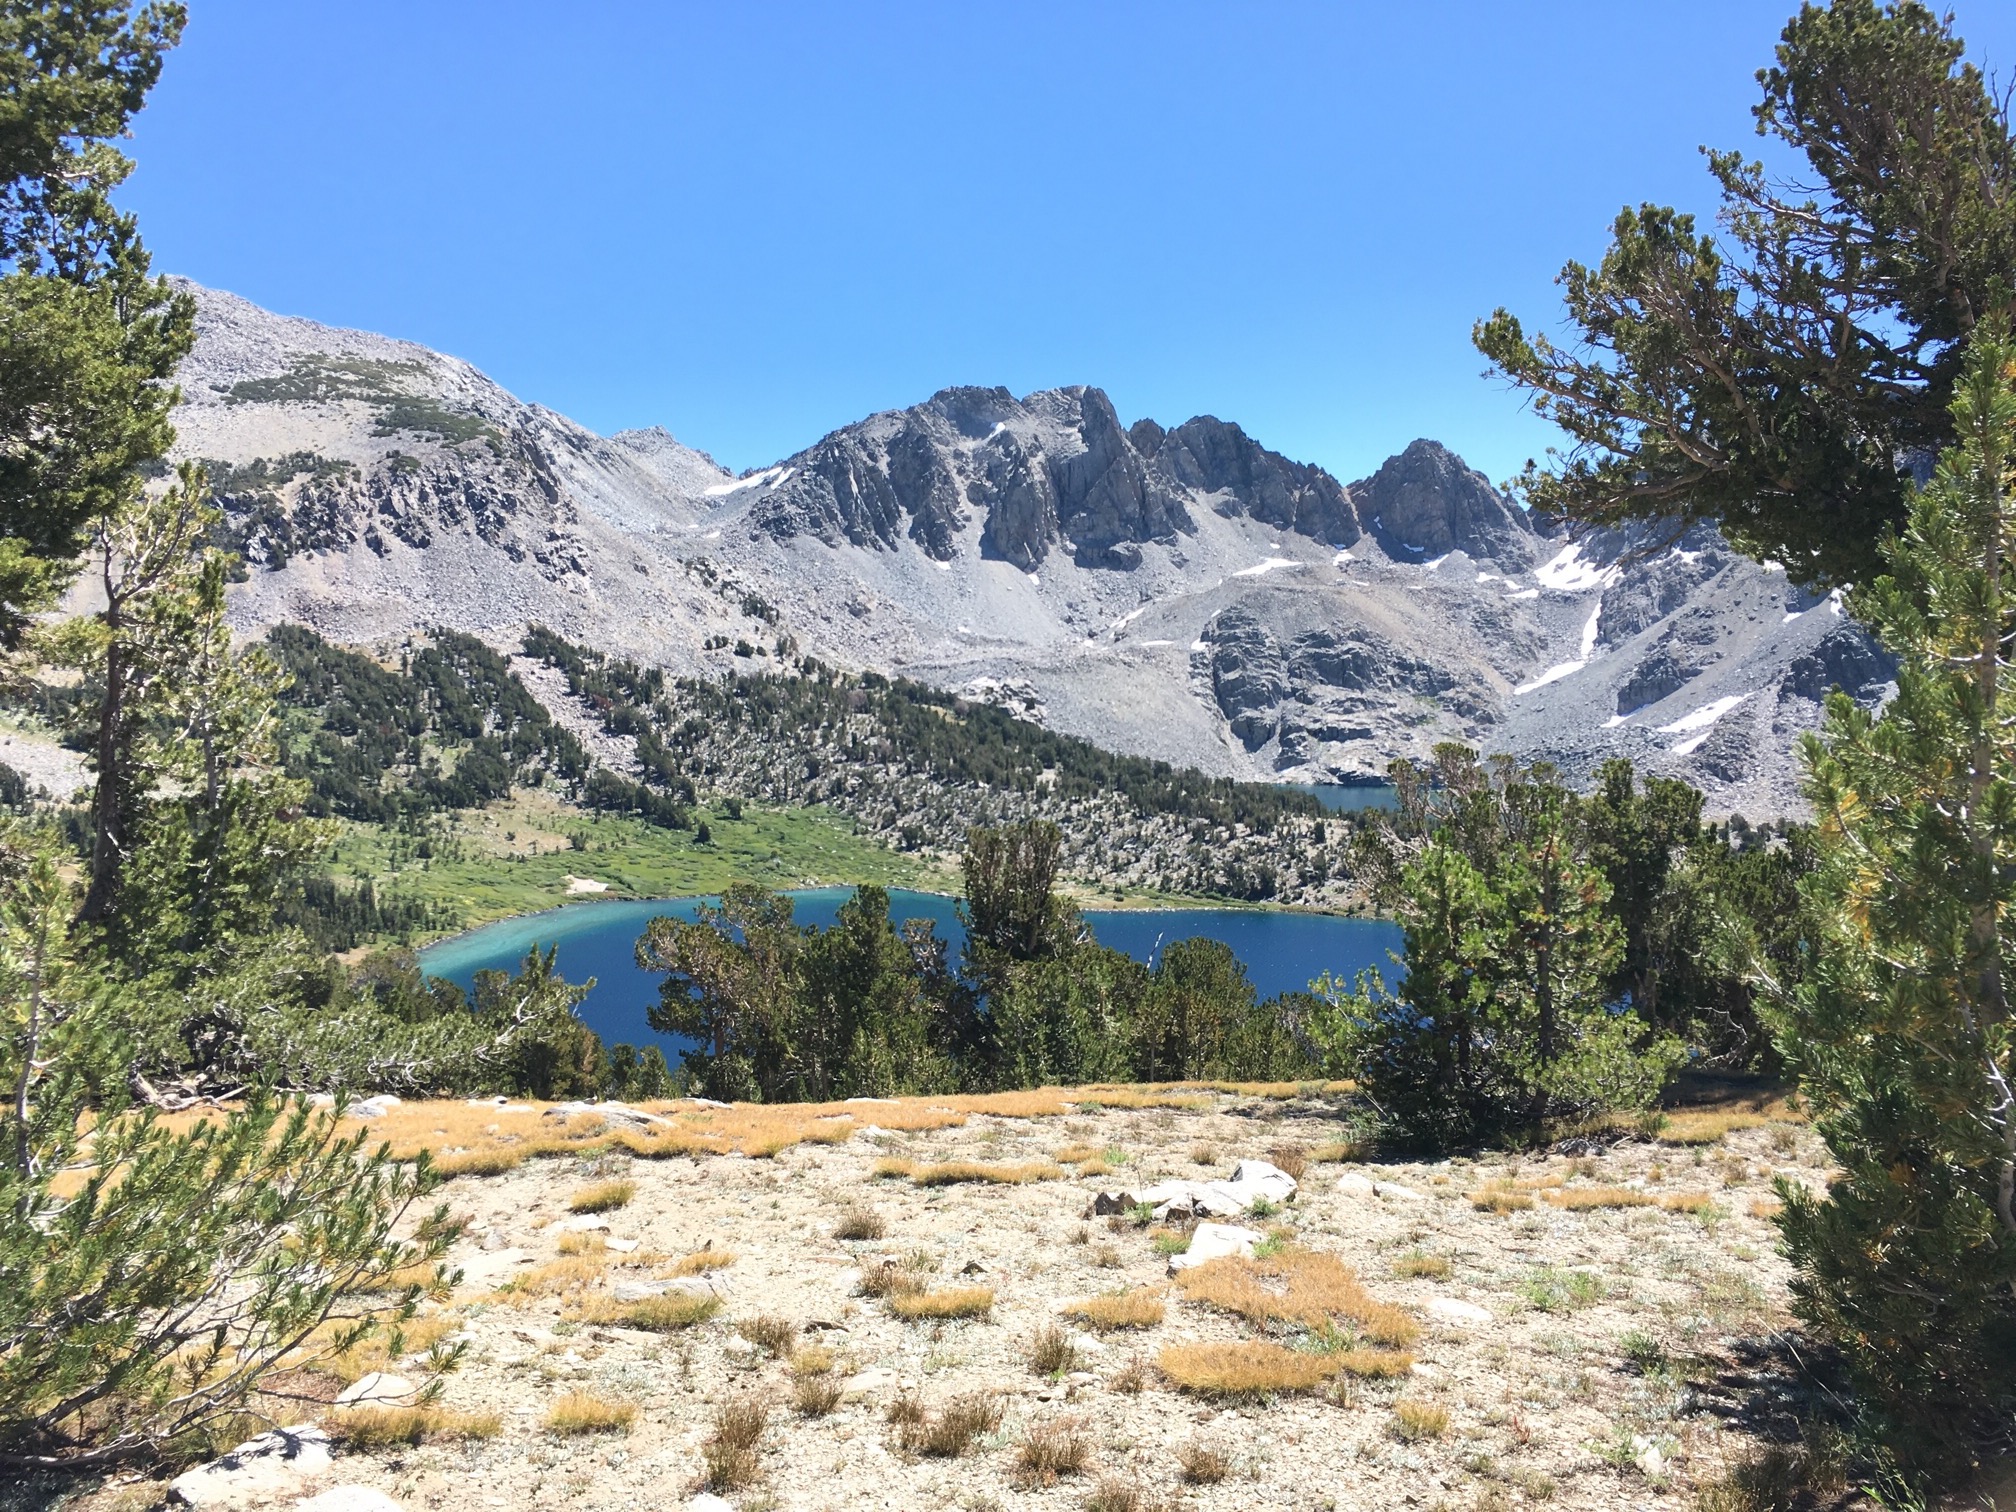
{"x":1902,"y":1032}
{"x":1503,"y":1020}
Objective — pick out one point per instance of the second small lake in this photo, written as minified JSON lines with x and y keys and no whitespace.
{"x":1282,"y":952}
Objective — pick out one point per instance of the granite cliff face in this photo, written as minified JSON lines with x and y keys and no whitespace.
{"x":1181,"y":592}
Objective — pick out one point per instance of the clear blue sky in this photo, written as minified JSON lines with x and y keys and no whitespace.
{"x":754,"y":222}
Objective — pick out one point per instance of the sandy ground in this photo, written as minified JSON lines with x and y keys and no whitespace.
{"x":1624,"y":1388}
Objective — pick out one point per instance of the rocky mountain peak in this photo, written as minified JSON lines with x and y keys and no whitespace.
{"x":1427,"y":502}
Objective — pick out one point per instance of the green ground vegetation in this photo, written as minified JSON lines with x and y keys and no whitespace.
{"x":518,"y":855}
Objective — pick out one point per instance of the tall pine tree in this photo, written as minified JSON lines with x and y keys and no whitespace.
{"x":1902,"y":1033}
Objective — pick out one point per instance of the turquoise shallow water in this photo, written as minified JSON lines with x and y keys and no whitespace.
{"x":1282,"y":952}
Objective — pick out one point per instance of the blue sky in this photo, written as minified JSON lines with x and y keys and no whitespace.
{"x":752,"y":222}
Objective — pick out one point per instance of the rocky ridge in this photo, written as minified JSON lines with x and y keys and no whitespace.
{"x":1183,"y":593}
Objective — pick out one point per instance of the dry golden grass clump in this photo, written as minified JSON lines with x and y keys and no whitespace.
{"x":952,"y":1302}
{"x":427,"y":1423}
{"x":730,"y":1454}
{"x":602,"y":1197}
{"x":1420,"y":1265}
{"x":1115,"y":1495}
{"x":1293,"y":1159}
{"x":698,"y":1263}
{"x":1051,"y":1352}
{"x":666,"y":1314}
{"x":493,"y":1161}
{"x":1052,"y":1450}
{"x":811,"y":1360}
{"x":815,"y":1395}
{"x":1372,"y":1364}
{"x":1704,"y":1128}
{"x":890,"y":1280}
{"x":860,"y":1223}
{"x":584,"y":1412}
{"x":1500,"y":1197}
{"x":1687,"y":1202}
{"x":1243,"y":1370}
{"x":1202,"y":1465}
{"x":1766,"y":1207}
{"x":1338,"y":1152}
{"x":1132,"y":1378}
{"x":1301,"y":1287}
{"x":570,"y":1273}
{"x":769,"y":1333}
{"x":949,"y":1432}
{"x":1414,"y":1419}
{"x":1140,"y":1308}
{"x":1585,"y":1199}
{"x":1077,"y":1154}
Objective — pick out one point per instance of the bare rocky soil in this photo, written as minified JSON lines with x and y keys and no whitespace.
{"x":1596,"y":1358}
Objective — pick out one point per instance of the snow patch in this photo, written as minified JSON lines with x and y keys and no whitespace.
{"x":768,"y":478}
{"x":1704,"y":716}
{"x":1589,"y":631}
{"x":944,"y":566}
{"x":1551,"y":675}
{"x":1129,"y":617}
{"x":1615,"y":720}
{"x":1265,"y":567}
{"x":1702,"y":719}
{"x":1568,"y":573}
{"x":1343,"y":556}
{"x":1199,"y":646}
{"x":1158,"y":643}
{"x":1431,"y":566}
{"x":1524,"y":593}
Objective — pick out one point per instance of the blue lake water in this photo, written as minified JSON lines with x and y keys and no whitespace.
{"x":1282,"y":952}
{"x":1350,"y":797}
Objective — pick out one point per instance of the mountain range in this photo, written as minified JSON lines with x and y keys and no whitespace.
{"x":1183,"y":593}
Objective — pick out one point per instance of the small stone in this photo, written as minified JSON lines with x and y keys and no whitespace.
{"x":582,"y":1223}
{"x":1396,"y":1193}
{"x":621,"y":1246}
{"x":707,"y":1501}
{"x":495,"y":1239}
{"x":1456,"y":1310}
{"x":868,"y":1383}
{"x":376,"y":1389}
{"x":1351,"y":1184}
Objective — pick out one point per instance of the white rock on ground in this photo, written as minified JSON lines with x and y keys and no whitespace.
{"x":257,"y":1470}
{"x":707,"y":1501}
{"x":1394,"y":1192}
{"x":1351,"y":1184}
{"x":376,"y":1389}
{"x":1252,"y":1181}
{"x":1214,"y":1241}
{"x":1456,"y":1310}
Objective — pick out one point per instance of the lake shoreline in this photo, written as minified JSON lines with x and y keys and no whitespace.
{"x":1182,"y":903}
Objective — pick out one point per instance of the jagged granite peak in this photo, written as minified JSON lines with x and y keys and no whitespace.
{"x":1427,"y":502}
{"x":1182,"y":593}
{"x":1055,"y":468}
{"x":1216,"y":457}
